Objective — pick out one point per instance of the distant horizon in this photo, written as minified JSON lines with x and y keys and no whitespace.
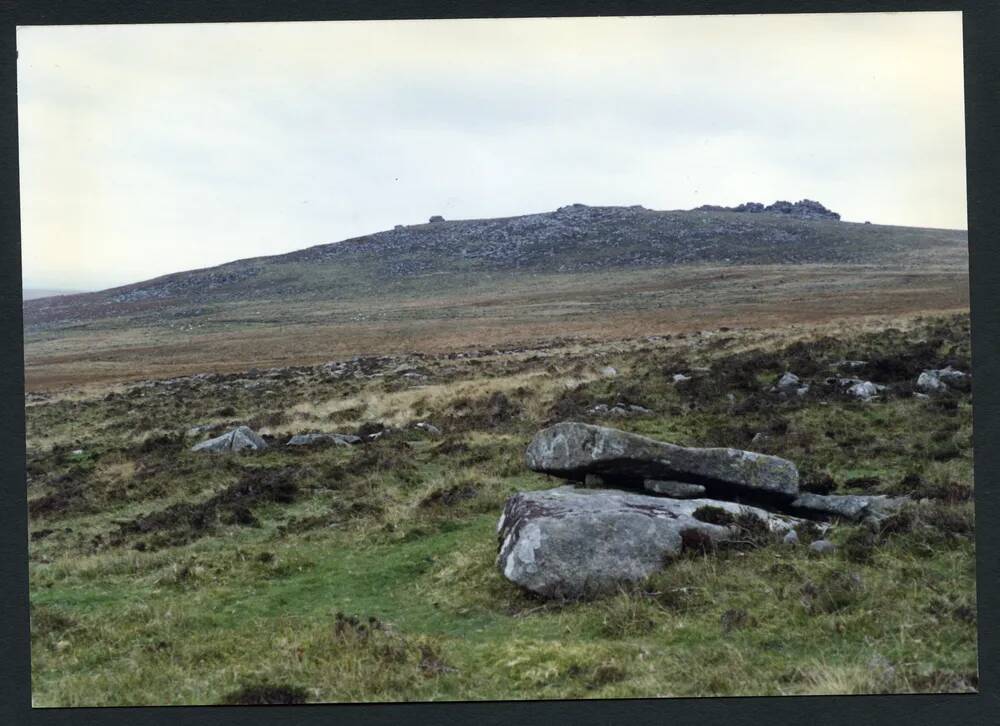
{"x":149,"y":149}
{"x":32,"y":292}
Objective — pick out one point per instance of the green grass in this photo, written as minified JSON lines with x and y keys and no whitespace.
{"x":444,"y":590}
{"x":249,"y":612}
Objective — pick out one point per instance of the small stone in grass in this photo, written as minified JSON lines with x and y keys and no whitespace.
{"x":822,"y":547}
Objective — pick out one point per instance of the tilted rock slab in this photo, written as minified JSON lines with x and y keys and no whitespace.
{"x":239,"y":439}
{"x":572,"y":450}
{"x":571,"y":543}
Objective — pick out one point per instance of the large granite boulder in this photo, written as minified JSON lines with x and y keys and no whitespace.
{"x":242,"y":438}
{"x":572,"y":450}
{"x":571,"y":543}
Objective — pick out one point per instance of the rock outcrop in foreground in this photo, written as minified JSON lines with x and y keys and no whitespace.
{"x":570,"y":543}
{"x":573,"y":450}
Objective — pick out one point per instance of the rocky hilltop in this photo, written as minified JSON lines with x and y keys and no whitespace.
{"x":572,"y":239}
{"x":577,"y":238}
{"x":803,"y":209}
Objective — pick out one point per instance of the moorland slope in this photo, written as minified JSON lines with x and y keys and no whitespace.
{"x":573,"y":239}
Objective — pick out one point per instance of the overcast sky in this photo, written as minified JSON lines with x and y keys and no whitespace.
{"x":151,"y":149}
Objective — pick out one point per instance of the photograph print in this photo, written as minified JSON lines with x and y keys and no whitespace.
{"x":497,"y":359}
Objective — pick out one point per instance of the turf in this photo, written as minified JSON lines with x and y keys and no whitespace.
{"x":162,"y":576}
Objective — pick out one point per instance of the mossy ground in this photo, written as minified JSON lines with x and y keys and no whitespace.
{"x":161,"y":576}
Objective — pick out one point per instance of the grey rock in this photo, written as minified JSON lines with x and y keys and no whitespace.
{"x":953,"y":377}
{"x":309,"y":439}
{"x":822,"y":547}
{"x":571,"y":450}
{"x":242,"y":438}
{"x":680,"y":378}
{"x":315,"y":439}
{"x":436,"y":218}
{"x":570,"y":543}
{"x":789,"y":383}
{"x":856,"y":387}
{"x":791,"y":537}
{"x":854,"y":507}
{"x":865,"y":390}
{"x":675,"y":489}
{"x":843,"y":382}
{"x":930,"y":382}
{"x":428,"y":427}
{"x":803,"y":209}
{"x":941,"y":380}
{"x":619,"y":410}
{"x":609,"y":371}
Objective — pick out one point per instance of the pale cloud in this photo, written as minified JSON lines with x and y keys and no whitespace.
{"x":150,"y":149}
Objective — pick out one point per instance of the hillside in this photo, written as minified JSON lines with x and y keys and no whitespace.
{"x":578,"y":273}
{"x":571,"y":240}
